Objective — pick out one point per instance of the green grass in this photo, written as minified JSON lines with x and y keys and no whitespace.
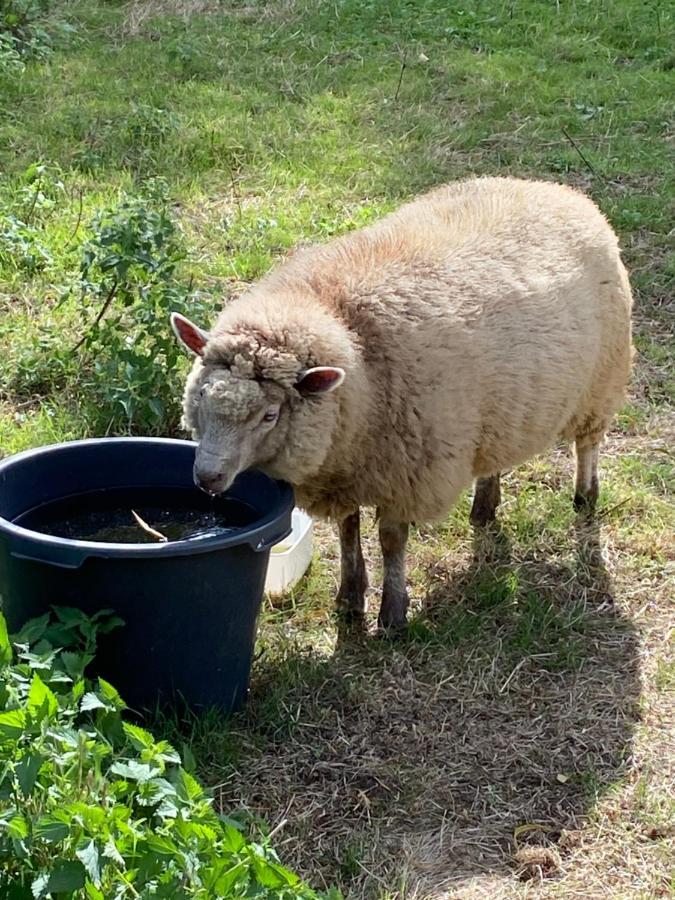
{"x":286,"y":122}
{"x":294,"y":121}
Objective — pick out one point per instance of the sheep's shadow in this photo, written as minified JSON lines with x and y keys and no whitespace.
{"x":511,"y":701}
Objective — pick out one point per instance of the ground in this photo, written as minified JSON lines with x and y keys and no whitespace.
{"x":519,"y":742}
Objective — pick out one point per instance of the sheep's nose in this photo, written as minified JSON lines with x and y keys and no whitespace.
{"x":207,"y":471}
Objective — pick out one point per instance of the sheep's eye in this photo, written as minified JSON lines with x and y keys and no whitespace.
{"x":270,"y":415}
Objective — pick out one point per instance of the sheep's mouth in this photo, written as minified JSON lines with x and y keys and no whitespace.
{"x":213,"y":485}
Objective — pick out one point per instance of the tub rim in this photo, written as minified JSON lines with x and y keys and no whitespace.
{"x":24,"y":543}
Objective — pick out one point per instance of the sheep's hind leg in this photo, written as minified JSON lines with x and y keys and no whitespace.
{"x":486,"y":499}
{"x":351,"y":598}
{"x":395,"y":600}
{"x":587,"y":485}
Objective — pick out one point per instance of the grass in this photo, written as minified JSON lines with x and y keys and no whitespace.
{"x":535,"y":684}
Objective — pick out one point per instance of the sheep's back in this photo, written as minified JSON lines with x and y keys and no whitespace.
{"x":485,"y":312}
{"x":486,"y":315}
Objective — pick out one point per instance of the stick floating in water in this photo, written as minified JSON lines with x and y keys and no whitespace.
{"x":158,"y":536}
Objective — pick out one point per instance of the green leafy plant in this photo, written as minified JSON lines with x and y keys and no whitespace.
{"x":22,"y":247}
{"x":24,"y":34}
{"x":146,"y":129}
{"x":149,"y":123}
{"x":11,"y":62}
{"x":93,"y":806}
{"x":189,"y":59}
{"x":128,"y":290}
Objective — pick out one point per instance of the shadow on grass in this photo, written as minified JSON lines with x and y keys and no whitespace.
{"x":411,"y":765}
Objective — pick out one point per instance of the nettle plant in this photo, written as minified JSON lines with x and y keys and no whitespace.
{"x":24,"y":33}
{"x":22,"y":248}
{"x":128,"y":290}
{"x":93,"y":806}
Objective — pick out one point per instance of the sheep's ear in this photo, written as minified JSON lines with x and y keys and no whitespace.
{"x":320,"y":380}
{"x":188,"y":334}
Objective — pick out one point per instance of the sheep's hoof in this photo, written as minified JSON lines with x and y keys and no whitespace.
{"x":482,"y":515}
{"x":486,"y":499}
{"x":392,"y":621}
{"x":586,"y":503}
{"x":485,"y":502}
{"x":351,"y":596}
{"x":391,"y":633}
{"x":350,"y":617}
{"x":351,"y":603}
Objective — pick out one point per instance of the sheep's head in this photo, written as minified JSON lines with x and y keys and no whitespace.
{"x":252,"y":405}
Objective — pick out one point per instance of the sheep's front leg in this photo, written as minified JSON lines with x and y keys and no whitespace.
{"x":486,"y":499}
{"x":587,"y":484}
{"x":395,"y":600}
{"x":351,"y":597}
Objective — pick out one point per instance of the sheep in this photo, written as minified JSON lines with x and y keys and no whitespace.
{"x":391,"y":367}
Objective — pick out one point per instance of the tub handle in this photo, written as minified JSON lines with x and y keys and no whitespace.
{"x":265,"y":541}
{"x":62,"y":558}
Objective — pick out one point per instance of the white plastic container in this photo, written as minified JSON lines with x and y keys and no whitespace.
{"x":290,"y":558}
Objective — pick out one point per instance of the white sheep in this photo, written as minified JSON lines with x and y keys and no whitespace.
{"x":456,"y":338}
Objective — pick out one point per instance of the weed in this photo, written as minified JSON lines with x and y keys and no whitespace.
{"x":20,"y":246}
{"x":90,"y":802}
{"x":350,"y":862}
{"x":148,"y":123}
{"x":11,"y":62}
{"x":128,"y":290}
{"x":24,"y":34}
{"x":189,"y":57}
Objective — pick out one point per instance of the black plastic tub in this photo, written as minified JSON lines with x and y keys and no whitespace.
{"x":190,"y":606}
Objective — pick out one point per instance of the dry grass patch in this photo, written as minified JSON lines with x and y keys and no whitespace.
{"x":140,"y":12}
